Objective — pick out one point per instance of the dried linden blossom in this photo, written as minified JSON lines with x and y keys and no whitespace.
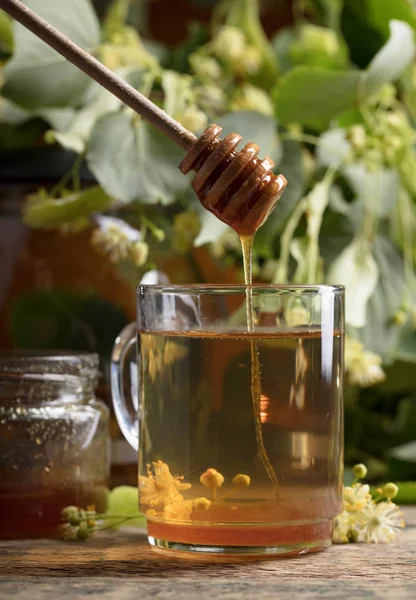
{"x":160,"y":490}
{"x":161,"y":487}
{"x":365,"y":519}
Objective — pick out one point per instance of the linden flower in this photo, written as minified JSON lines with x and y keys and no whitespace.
{"x":180,"y":510}
{"x":202,"y":504}
{"x":192,"y":118}
{"x":162,"y":487}
{"x":119,"y":241}
{"x":241,"y":480}
{"x":380,"y":522}
{"x":363,"y":367}
{"x":211,"y":479}
{"x":229,"y":44}
{"x":342,"y":527}
{"x":251,"y":98}
{"x":205,"y":67}
{"x":356,"y":497}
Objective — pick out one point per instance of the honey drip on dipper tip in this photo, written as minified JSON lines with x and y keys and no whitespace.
{"x":241,"y":190}
{"x":236,"y":186}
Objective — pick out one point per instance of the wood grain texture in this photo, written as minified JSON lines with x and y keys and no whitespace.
{"x":121,"y":566}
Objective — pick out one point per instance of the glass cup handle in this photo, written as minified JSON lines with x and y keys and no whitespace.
{"x":128,"y":423}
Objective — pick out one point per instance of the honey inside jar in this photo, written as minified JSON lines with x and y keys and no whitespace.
{"x":53,"y":441}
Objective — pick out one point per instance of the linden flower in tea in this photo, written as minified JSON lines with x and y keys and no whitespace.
{"x":160,"y":491}
{"x":161,"y":487}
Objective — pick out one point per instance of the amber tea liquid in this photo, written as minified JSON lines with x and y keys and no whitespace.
{"x":198,"y":414}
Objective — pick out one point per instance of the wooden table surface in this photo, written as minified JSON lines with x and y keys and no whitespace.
{"x":121,"y":566}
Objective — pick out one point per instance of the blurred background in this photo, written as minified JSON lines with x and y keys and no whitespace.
{"x":91,"y":198}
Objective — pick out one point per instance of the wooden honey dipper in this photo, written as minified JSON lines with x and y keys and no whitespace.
{"x":234,"y":185}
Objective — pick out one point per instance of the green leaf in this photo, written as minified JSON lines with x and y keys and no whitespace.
{"x":292,"y":167}
{"x":378,"y":190}
{"x":37,"y":76}
{"x":391,"y":61}
{"x":406,"y":348}
{"x":64,"y":318}
{"x":357,"y":269}
{"x":380,"y":333}
{"x":73,"y":133}
{"x":49,"y":212}
{"x":254,"y":127}
{"x":140,"y":164}
{"x":6,"y":35}
{"x":313,"y":96}
{"x":333,"y":148}
{"x":381,"y":12}
{"x":282,"y":43}
{"x":332,"y":10}
{"x":124,"y":501}
{"x":176,"y":88}
{"x":402,"y":461}
{"x":12,"y":114}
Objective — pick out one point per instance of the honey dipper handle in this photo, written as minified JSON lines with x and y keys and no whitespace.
{"x":97,"y":71}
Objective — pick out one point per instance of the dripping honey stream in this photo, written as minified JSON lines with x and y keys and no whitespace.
{"x":247,"y":249}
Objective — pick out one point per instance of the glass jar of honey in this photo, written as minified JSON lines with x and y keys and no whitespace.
{"x":53,"y":440}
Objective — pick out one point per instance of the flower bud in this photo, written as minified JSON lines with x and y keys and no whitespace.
{"x":139,"y":253}
{"x":83,"y":532}
{"x":251,"y":98}
{"x":390,"y":490}
{"x":68,"y":512}
{"x":241,"y":480}
{"x":205,"y":67}
{"x":360,"y":471}
{"x":400,"y":317}
{"x":192,"y":118}
{"x":74,"y":520}
{"x":211,"y":479}
{"x":229,"y":43}
{"x":353,"y":535}
{"x":202,"y":504}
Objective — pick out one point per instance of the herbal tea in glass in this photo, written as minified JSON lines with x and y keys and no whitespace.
{"x":240,"y":427}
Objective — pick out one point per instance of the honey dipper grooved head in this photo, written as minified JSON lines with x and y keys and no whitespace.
{"x":236,"y":186}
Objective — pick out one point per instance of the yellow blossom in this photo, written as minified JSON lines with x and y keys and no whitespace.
{"x":241,"y":480}
{"x":356,"y":497}
{"x":360,"y":471}
{"x":363,"y":368}
{"x":160,"y":488}
{"x":342,"y":527}
{"x":211,"y":479}
{"x":251,"y":98}
{"x":139,"y":253}
{"x":390,"y":490}
{"x":179,"y":510}
{"x":229,"y":43}
{"x":202,"y":504}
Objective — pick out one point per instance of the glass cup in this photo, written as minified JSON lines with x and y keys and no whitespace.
{"x":239,"y":429}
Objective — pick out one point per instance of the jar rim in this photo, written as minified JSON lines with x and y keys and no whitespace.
{"x":61,"y":362}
